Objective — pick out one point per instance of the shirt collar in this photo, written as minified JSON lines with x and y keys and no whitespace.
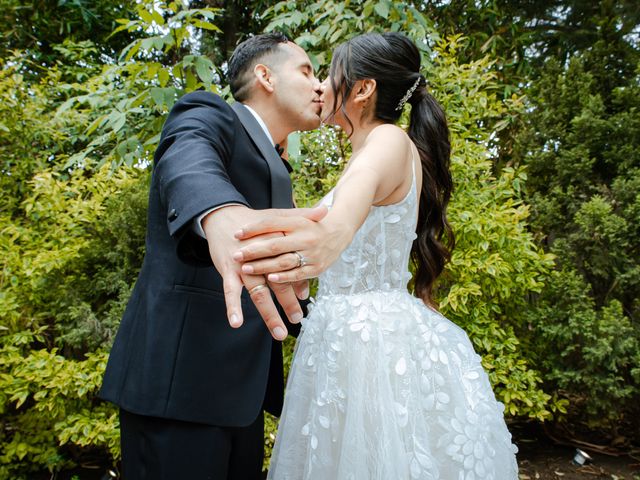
{"x":261,"y":123}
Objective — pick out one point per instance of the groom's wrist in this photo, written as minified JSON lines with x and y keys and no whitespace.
{"x":198,"y":225}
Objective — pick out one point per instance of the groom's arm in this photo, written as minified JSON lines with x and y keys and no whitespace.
{"x":191,"y":168}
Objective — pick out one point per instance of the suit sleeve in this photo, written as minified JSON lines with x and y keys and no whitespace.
{"x":192,"y":158}
{"x":195,"y":149}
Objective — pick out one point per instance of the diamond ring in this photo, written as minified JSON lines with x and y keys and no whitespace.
{"x":301,"y":260}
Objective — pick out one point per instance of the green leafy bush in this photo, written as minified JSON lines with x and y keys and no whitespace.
{"x":592,"y":355}
{"x":72,"y":274}
{"x":48,"y":406}
{"x":581,"y":144}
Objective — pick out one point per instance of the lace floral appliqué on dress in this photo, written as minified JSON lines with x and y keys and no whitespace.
{"x":383,"y":387}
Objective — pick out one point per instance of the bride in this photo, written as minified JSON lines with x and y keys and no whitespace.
{"x":382,"y":386}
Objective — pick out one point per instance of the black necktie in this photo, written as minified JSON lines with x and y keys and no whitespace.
{"x":280,"y":151}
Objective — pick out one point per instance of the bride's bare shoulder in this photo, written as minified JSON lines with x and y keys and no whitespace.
{"x":388,"y":131}
{"x":390,"y":141}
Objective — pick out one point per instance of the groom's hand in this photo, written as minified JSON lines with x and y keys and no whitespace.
{"x":219,"y":226}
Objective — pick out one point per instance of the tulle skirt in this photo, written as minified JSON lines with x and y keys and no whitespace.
{"x":383,"y":387}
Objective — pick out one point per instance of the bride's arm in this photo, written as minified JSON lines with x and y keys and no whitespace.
{"x":377,"y":173}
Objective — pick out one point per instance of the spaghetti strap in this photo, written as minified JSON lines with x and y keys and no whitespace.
{"x":414,"y":149}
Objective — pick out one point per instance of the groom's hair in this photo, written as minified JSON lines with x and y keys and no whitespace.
{"x":246,"y":56}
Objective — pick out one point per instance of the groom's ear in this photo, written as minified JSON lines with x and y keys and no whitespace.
{"x":263,"y":77}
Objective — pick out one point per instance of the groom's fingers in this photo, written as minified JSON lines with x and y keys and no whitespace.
{"x":295,"y":275}
{"x":316,"y":213}
{"x":260,"y":295}
{"x":287,"y":299}
{"x":301,"y":289}
{"x":270,"y":224}
{"x":232,"y":286}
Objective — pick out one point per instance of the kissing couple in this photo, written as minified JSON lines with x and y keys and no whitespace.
{"x":382,"y":386}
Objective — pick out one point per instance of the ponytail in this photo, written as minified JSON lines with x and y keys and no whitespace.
{"x":432,"y":248}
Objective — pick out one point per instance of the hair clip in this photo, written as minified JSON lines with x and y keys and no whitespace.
{"x":407,"y":95}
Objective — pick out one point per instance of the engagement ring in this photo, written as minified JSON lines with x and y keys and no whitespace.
{"x":301,"y":260}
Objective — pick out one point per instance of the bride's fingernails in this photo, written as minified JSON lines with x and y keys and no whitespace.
{"x":247,"y":269}
{"x":238,"y":234}
{"x":237,"y":256}
{"x":273,"y":277}
{"x":305,"y":293}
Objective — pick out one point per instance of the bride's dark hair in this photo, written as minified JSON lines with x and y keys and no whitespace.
{"x":393,"y":61}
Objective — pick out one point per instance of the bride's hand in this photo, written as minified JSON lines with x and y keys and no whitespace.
{"x":307,"y":249}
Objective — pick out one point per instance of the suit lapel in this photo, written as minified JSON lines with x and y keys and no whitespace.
{"x":281,"y":194}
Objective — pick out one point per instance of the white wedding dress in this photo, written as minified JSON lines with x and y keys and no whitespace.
{"x":383,"y":387}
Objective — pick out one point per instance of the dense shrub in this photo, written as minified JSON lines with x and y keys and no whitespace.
{"x":73,"y":266}
{"x":49,"y":409}
{"x":581,"y":146}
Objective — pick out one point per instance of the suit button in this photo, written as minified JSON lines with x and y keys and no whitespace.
{"x":173,"y":215}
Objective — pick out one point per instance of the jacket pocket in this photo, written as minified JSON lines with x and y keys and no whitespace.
{"x":198,"y":291}
{"x":202,"y":291}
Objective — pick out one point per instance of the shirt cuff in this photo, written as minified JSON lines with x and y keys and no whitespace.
{"x":197,"y":222}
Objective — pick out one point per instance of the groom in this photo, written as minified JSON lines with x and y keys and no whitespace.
{"x":190,"y":388}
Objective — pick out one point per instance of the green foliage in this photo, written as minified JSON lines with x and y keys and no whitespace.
{"x":125,"y":102}
{"x":67,"y":235}
{"x":318,"y":26}
{"x":495,"y":264}
{"x":48,"y":402}
{"x":30,"y":132}
{"x":591,"y":354}
{"x":38,"y":26}
{"x":580,"y":144}
{"x":70,"y":268}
